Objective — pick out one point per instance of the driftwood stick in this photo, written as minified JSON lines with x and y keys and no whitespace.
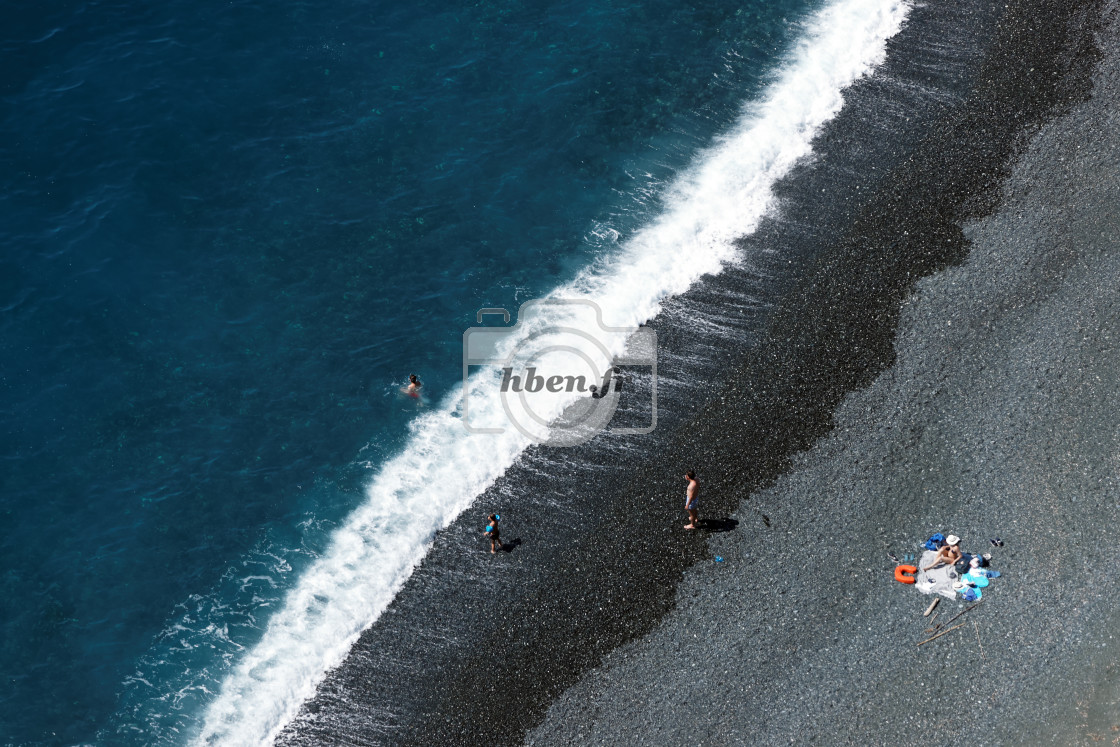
{"x":932,"y":604}
{"x":977,"y":628}
{"x":967,"y":609}
{"x":943,"y":632}
{"x":951,"y":619}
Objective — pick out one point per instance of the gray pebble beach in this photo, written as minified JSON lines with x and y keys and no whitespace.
{"x":922,"y":338}
{"x":998,"y":418}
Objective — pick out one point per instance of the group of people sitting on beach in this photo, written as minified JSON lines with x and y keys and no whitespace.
{"x":971,"y":572}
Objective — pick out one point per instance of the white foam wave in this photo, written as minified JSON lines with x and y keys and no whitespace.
{"x":722,"y":197}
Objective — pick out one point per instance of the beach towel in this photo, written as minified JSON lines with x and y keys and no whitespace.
{"x":978,"y":580}
{"x":936,"y":580}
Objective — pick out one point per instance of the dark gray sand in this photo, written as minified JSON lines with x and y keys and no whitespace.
{"x":999,"y":417}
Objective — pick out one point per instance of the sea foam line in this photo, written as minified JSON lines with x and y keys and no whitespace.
{"x":721,"y":197}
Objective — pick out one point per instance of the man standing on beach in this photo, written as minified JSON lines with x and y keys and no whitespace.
{"x":692,"y":500}
{"x":494,"y":534}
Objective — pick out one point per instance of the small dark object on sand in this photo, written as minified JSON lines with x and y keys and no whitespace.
{"x":996,"y":542}
{"x":766,"y":520}
{"x":892,"y":556}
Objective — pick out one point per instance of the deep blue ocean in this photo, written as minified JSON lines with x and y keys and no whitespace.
{"x":229,"y":232}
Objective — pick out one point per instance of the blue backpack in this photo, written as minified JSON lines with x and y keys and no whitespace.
{"x":935,"y":542}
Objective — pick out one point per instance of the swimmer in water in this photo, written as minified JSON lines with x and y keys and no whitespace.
{"x":413,"y":388}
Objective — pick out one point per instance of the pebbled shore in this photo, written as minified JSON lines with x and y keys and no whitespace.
{"x":631,"y":634}
{"x":998,"y":417}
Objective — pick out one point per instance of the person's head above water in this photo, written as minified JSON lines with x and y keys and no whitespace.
{"x":413,"y":380}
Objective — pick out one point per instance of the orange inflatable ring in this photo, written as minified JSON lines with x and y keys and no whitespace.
{"x":905,"y":574}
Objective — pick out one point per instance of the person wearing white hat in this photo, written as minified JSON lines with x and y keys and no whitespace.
{"x":949,"y":553}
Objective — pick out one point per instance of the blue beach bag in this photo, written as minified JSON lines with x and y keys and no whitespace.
{"x":935,"y":542}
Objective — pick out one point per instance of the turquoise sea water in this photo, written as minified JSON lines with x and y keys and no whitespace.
{"x":229,"y":232}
